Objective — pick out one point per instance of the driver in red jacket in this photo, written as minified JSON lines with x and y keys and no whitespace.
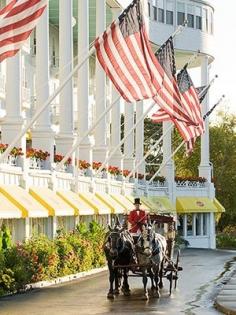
{"x":137,"y":218}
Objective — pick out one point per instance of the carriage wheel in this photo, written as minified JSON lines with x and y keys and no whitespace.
{"x":177,"y":268}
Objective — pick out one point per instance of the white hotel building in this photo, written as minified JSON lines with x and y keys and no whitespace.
{"x":37,"y":200}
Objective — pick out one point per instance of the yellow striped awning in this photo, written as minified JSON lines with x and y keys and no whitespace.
{"x":24,"y":201}
{"x":52,"y":202}
{"x":93,"y":201}
{"x":76,"y":202}
{"x":158,"y":204}
{"x":219,"y":206}
{"x":115,"y":207}
{"x":123,"y":201}
{"x":8,"y":210}
{"x":195,"y":204}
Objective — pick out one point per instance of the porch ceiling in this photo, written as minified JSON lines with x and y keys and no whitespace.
{"x":54,"y":15}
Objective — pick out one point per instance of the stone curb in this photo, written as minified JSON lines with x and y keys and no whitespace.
{"x":226,"y":300}
{"x":76,"y":276}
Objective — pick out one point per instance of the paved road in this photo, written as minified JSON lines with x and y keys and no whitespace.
{"x":203,"y":272}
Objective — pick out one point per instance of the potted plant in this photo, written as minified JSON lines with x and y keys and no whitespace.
{"x":58,"y":158}
{"x":84,"y":167}
{"x":37,"y":158}
{"x":114,"y":171}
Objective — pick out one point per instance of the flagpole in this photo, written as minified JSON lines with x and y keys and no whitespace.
{"x":44,"y":106}
{"x":182,"y":143}
{"x":123,"y":140}
{"x":191,"y":60}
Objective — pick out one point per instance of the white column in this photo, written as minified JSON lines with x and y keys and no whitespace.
{"x":205,"y":168}
{"x":13,"y":121}
{"x":64,"y":140}
{"x":129,"y":143}
{"x":169,"y":169}
{"x":117,"y":158}
{"x":212,"y":232}
{"x":100,"y":149}
{"x":139,"y":139}
{"x":42,"y":135}
{"x":83,"y":79}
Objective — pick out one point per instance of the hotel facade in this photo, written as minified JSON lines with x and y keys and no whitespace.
{"x":37,"y":199}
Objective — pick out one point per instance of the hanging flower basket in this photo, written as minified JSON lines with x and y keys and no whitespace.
{"x":58,"y":158}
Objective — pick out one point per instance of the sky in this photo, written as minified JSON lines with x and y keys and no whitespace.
{"x":224,"y":64}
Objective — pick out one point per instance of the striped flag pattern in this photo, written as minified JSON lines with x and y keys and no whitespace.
{"x":17,"y":20}
{"x":125,"y":54}
{"x":192,"y":103}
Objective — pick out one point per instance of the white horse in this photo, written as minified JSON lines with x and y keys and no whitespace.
{"x":151,"y":252}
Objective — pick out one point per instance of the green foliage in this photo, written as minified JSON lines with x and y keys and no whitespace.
{"x":223,"y":157}
{"x":5,"y":238}
{"x":40,"y":258}
{"x":227,"y":238}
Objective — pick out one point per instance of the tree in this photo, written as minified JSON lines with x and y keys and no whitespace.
{"x":223,"y":157}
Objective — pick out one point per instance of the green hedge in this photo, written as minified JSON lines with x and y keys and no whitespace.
{"x":227,"y":239}
{"x":40,"y":258}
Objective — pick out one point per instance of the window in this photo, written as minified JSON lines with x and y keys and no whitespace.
{"x":154,"y":6}
{"x":161,"y":16}
{"x":169,"y":12}
{"x":190,"y":16}
{"x":212,"y":23}
{"x":198,"y":223}
{"x":180,"y":13}
{"x":205,"y":223}
{"x":205,"y":20}
{"x":180,"y":225}
{"x":198,"y":18}
{"x":189,"y":225}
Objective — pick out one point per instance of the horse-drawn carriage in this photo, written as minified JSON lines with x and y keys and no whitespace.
{"x":150,"y":255}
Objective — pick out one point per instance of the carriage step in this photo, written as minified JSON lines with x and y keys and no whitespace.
{"x":180,"y":268}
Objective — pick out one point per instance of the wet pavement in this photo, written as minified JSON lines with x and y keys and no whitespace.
{"x":199,"y":283}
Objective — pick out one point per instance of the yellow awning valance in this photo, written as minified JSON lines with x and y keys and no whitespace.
{"x":24,"y":201}
{"x":115,"y":207}
{"x":8,"y":210}
{"x":52,"y":202}
{"x":123,"y":201}
{"x":195,"y":204}
{"x":219,"y":206}
{"x":93,"y":201}
{"x":158,"y":204}
{"x":76,"y":202}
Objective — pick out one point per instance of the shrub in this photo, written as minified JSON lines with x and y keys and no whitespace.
{"x":226,"y":241}
{"x":42,"y":257}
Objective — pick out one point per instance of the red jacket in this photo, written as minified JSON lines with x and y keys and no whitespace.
{"x":136,"y":220}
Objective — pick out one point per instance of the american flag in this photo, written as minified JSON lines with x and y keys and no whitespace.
{"x":125,"y":54}
{"x":203,"y":90}
{"x":17,"y":20}
{"x":166,"y":58}
{"x":192,"y":105}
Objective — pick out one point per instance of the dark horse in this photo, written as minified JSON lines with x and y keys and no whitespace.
{"x":151,"y":253}
{"x":119,"y":251}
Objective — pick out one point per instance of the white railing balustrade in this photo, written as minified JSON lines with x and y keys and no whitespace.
{"x":41,"y":178}
{"x":191,"y":184}
{"x":11,"y":176}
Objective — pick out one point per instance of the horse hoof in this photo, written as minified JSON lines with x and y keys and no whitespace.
{"x":127,"y":293}
{"x":116,"y":292}
{"x":110,"y":296}
{"x":146,"y":297}
{"x":161,"y":285}
{"x":157,"y":295}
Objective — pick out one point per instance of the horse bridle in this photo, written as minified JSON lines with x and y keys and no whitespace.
{"x":118,"y":239}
